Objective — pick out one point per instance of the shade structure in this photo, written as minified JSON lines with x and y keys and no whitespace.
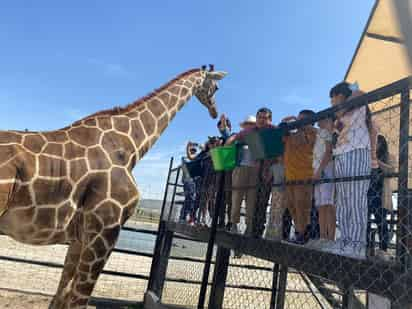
{"x":381,"y":54}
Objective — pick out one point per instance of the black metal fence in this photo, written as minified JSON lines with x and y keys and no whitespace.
{"x":304,"y":275}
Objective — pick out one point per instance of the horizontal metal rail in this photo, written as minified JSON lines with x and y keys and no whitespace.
{"x":138,"y":276}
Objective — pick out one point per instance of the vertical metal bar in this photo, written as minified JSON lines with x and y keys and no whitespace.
{"x":219,"y":203}
{"x":160,"y":235}
{"x":163,"y":263}
{"x":404,"y":211}
{"x":275,"y":278}
{"x":166,"y":189}
{"x":217,"y":292}
{"x":172,"y":202}
{"x":346,"y":299}
{"x":283,"y":278}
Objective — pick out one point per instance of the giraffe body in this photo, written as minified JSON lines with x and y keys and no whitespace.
{"x":75,"y":186}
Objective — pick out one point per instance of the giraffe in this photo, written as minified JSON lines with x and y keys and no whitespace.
{"x":75,"y":186}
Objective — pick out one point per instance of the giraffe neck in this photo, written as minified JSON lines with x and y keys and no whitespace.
{"x":150,"y":118}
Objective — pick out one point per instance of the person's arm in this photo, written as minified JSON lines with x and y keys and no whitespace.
{"x":232,"y":139}
{"x":327,"y":157}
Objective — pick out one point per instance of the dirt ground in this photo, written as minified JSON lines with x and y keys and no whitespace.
{"x":13,"y":299}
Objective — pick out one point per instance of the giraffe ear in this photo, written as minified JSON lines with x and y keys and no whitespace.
{"x":216,"y":75}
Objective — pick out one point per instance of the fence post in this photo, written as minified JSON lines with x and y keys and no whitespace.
{"x":404,"y":207}
{"x":163,"y":261}
{"x":160,"y":233}
{"x":217,"y":291}
{"x":220,"y":199}
{"x":281,"y":293}
{"x":275,"y":279}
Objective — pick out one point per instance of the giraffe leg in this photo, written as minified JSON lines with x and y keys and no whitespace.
{"x":94,"y":254}
{"x":70,"y":265}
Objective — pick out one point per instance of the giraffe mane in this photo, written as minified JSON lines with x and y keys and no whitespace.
{"x":121,"y":110}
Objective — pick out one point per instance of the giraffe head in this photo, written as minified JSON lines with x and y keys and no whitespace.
{"x":205,"y":92}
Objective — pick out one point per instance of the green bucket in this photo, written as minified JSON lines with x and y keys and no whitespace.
{"x":265,"y":143}
{"x":224,"y":158}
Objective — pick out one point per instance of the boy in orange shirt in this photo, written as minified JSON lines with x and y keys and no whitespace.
{"x":298,"y":159}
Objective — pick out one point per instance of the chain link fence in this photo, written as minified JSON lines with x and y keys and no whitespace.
{"x":278,"y":255}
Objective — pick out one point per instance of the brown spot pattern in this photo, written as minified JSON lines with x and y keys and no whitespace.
{"x":122,"y":188}
{"x":99,"y":248}
{"x":21,"y":197}
{"x":97,"y":159}
{"x":92,"y":224}
{"x":137,"y":132}
{"x":64,"y":214}
{"x":45,"y":218}
{"x":73,"y":151}
{"x":54,"y":149}
{"x":174,"y":90}
{"x":90,"y":122}
{"x":143,"y":149}
{"x":156,"y":107}
{"x":51,"y":192}
{"x":78,"y":168}
{"x":104,"y":123}
{"x":55,"y":136}
{"x":25,"y":165}
{"x":34,"y":143}
{"x":52,"y":167}
{"x":85,"y":136}
{"x":96,"y":190}
{"x":7,"y":152}
{"x":172,"y":102}
{"x":118,"y":146}
{"x":121,"y":124}
{"x":9,"y":137}
{"x":184,"y":92}
{"x":109,"y":213}
{"x":148,"y":122}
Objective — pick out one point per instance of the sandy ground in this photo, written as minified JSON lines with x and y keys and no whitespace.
{"x":34,"y":279}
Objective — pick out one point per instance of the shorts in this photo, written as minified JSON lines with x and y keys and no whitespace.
{"x":324,"y":193}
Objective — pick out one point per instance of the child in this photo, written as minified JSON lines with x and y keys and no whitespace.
{"x":298,"y":159}
{"x":352,"y":157}
{"x":324,"y":192}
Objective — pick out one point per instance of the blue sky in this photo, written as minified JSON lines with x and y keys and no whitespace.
{"x":61,"y":61}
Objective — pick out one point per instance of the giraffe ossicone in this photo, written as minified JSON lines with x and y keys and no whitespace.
{"x":75,"y":185}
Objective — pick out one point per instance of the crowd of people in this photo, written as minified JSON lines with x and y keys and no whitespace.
{"x":335,"y":170}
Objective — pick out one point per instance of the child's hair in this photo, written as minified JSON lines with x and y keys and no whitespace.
{"x":228,"y":123}
{"x":342,"y":88}
{"x":382,"y":152}
{"x":307,"y":113}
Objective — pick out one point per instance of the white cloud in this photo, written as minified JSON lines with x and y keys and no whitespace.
{"x":151,"y":172}
{"x":109,"y":69}
{"x":297,"y":100}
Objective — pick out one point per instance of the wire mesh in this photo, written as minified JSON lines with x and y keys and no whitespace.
{"x":367,"y":263}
